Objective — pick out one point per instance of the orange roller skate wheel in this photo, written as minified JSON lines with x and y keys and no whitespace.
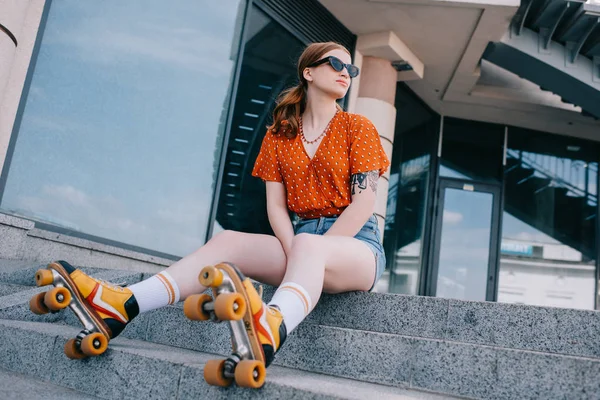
{"x":72,"y":351}
{"x":250,"y":374}
{"x":43,"y":277}
{"x":213,"y":373}
{"x":57,"y":298}
{"x":94,"y":344}
{"x":36,"y":304}
{"x":230,"y":306}
{"x":193,"y":307}
{"x":210,"y":277}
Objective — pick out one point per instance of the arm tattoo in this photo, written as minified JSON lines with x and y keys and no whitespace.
{"x":360,"y":181}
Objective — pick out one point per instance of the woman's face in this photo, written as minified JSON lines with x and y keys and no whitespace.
{"x":326,"y":79}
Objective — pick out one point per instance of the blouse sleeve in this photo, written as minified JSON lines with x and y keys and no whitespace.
{"x":266,"y":166}
{"x":366,"y":151}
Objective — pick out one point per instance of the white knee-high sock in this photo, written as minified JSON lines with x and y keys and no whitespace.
{"x":294,"y":303}
{"x":156,"y":292}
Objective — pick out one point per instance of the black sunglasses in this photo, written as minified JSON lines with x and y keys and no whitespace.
{"x":338,"y":65}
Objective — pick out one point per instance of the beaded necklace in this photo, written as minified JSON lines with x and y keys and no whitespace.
{"x":320,"y":136}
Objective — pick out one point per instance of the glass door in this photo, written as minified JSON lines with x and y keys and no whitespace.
{"x":466,"y":241}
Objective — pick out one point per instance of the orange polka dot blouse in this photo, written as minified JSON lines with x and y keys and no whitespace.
{"x":320,"y":187}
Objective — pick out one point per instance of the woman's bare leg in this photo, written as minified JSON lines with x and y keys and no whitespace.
{"x":316,"y":263}
{"x":260,"y":257}
{"x":330,"y":263}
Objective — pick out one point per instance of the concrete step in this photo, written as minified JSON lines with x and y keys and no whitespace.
{"x":543,"y":329}
{"x":140,"y":370}
{"x":447,"y":366}
{"x":9,"y":288}
{"x":20,"y":272}
{"x":15,"y":386}
{"x":475,"y":349}
{"x":514,"y":326}
{"x":442,"y":366}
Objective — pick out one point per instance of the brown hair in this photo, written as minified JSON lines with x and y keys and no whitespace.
{"x":292,"y":101}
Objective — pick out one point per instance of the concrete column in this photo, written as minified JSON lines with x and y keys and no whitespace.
{"x":375,"y":101}
{"x":384,"y":59}
{"x":19,"y":24}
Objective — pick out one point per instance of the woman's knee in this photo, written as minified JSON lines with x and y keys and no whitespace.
{"x":312,"y":246}
{"x":226,"y":237}
{"x":306,"y":242}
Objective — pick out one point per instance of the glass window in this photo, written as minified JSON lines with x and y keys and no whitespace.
{"x":415,"y":139}
{"x":472,"y":150}
{"x":549,"y":222}
{"x":120,"y":132}
{"x":268,"y":67}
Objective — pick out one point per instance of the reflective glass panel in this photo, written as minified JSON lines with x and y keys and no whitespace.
{"x":123,"y":117}
{"x":415,"y":139}
{"x":472,"y":150}
{"x":465,"y":245}
{"x":548,"y":250}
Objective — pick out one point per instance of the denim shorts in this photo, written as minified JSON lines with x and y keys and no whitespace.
{"x":369,"y":234}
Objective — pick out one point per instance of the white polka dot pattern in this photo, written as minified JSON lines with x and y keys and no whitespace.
{"x":321,"y":186}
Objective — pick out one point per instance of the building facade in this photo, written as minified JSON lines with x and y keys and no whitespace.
{"x":137,"y":124}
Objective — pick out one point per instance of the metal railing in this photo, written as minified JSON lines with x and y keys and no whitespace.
{"x":573,"y":175}
{"x":414,"y":169}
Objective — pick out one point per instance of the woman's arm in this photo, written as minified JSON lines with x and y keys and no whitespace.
{"x":364,"y":194}
{"x":279,"y":217}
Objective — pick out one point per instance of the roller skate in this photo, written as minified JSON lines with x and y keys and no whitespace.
{"x":257,"y":330}
{"x":102,"y":308}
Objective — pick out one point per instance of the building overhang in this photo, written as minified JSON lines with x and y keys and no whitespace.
{"x":440,"y":44}
{"x":388,"y":46}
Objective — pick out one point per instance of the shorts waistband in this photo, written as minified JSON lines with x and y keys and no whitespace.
{"x":320,"y":219}
{"x":317,"y":218}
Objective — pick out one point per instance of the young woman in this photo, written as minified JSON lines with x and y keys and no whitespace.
{"x":318,"y":161}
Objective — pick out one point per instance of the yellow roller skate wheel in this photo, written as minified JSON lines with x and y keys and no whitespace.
{"x":94,"y":344}
{"x":213,"y":373}
{"x":193,"y":307}
{"x":72,"y":350}
{"x":57,"y":298}
{"x":43,"y":277}
{"x":250,"y":374}
{"x":230,"y":306}
{"x":211,"y":277}
{"x":37,"y":306}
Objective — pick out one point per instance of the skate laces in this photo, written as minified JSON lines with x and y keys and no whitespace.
{"x":110,"y":285}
